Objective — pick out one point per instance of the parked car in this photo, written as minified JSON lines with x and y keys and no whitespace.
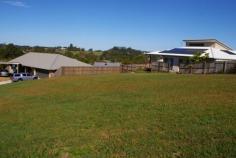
{"x":4,"y":73}
{"x":23,"y":76}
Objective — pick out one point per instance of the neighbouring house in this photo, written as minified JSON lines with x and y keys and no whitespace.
{"x":106,"y":64}
{"x":216,"y":51}
{"x":43,"y":64}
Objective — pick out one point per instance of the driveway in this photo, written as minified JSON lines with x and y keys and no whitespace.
{"x":4,"y":80}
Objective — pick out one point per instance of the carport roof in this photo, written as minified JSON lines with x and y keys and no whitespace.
{"x":47,"y":61}
{"x":3,"y":63}
{"x":7,"y":63}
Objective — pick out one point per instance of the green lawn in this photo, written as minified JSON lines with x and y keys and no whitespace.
{"x":127,"y":115}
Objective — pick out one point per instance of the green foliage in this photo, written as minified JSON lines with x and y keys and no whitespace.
{"x":198,"y":58}
{"x":38,"y":49}
{"x":124,"y":55}
{"x":10,"y":51}
{"x":116,"y":54}
{"x":127,"y":115}
{"x":73,"y":48}
{"x":69,"y":54}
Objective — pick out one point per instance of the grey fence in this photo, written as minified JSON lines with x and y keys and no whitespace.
{"x":70,"y":71}
{"x":134,"y":67}
{"x":199,"y":68}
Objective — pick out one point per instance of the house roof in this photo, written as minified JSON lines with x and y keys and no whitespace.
{"x":190,"y":51}
{"x":184,"y":51}
{"x":3,"y":63}
{"x":7,"y":63}
{"x":47,"y":61}
{"x":210,"y":41}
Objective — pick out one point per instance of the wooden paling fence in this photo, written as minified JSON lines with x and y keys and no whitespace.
{"x":160,"y":67}
{"x":70,"y":71}
{"x":199,"y":68}
{"x":134,"y":67}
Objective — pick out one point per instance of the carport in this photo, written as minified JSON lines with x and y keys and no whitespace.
{"x":10,"y":66}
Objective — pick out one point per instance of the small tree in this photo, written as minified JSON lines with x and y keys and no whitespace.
{"x":198,"y":58}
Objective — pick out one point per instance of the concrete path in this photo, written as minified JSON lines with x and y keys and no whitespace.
{"x":5,"y":82}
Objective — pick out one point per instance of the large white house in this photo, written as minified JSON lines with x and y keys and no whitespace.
{"x":215,"y":49}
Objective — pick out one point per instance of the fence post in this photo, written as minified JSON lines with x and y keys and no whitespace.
{"x":204,"y":67}
{"x":215,"y":68}
{"x":225,"y":67}
{"x":191,"y":69}
{"x":62,"y":71}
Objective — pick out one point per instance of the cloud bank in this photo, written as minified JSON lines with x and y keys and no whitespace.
{"x":17,"y":4}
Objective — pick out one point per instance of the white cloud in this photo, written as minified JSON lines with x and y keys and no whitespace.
{"x":17,"y":4}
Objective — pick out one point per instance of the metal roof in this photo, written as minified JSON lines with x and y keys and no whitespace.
{"x":190,"y":51}
{"x":47,"y":61}
{"x":209,"y":40}
{"x":4,"y":63}
{"x":183,"y":51}
{"x":7,"y":63}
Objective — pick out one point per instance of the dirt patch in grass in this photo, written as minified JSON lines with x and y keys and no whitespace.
{"x":4,"y":79}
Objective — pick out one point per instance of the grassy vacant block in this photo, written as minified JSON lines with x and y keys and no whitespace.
{"x":127,"y":115}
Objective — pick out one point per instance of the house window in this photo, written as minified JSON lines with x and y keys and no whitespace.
{"x":196,"y":44}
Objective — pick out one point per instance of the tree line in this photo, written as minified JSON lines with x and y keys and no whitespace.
{"x":116,"y":54}
{"x":9,"y":51}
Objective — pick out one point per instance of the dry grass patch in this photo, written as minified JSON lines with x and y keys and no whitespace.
{"x":4,"y":79}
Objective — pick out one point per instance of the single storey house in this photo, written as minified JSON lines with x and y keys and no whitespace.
{"x":43,"y":64}
{"x":216,"y":51}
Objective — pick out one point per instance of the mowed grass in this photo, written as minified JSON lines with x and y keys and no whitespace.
{"x":127,"y":115}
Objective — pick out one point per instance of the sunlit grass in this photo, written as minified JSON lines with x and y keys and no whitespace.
{"x":128,"y":115}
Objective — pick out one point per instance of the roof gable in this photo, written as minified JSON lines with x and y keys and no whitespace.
{"x":209,"y":41}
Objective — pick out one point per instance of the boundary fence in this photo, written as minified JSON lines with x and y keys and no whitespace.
{"x":70,"y":71}
{"x":199,"y":68}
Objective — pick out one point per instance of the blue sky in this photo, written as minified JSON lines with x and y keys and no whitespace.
{"x":102,"y":24}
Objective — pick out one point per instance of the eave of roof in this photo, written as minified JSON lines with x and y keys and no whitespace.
{"x":209,"y":40}
{"x":213,"y":53}
{"x":8,"y":63}
{"x":47,"y":61}
{"x":169,"y":54}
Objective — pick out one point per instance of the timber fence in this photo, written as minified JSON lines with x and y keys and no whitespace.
{"x":198,"y":68}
